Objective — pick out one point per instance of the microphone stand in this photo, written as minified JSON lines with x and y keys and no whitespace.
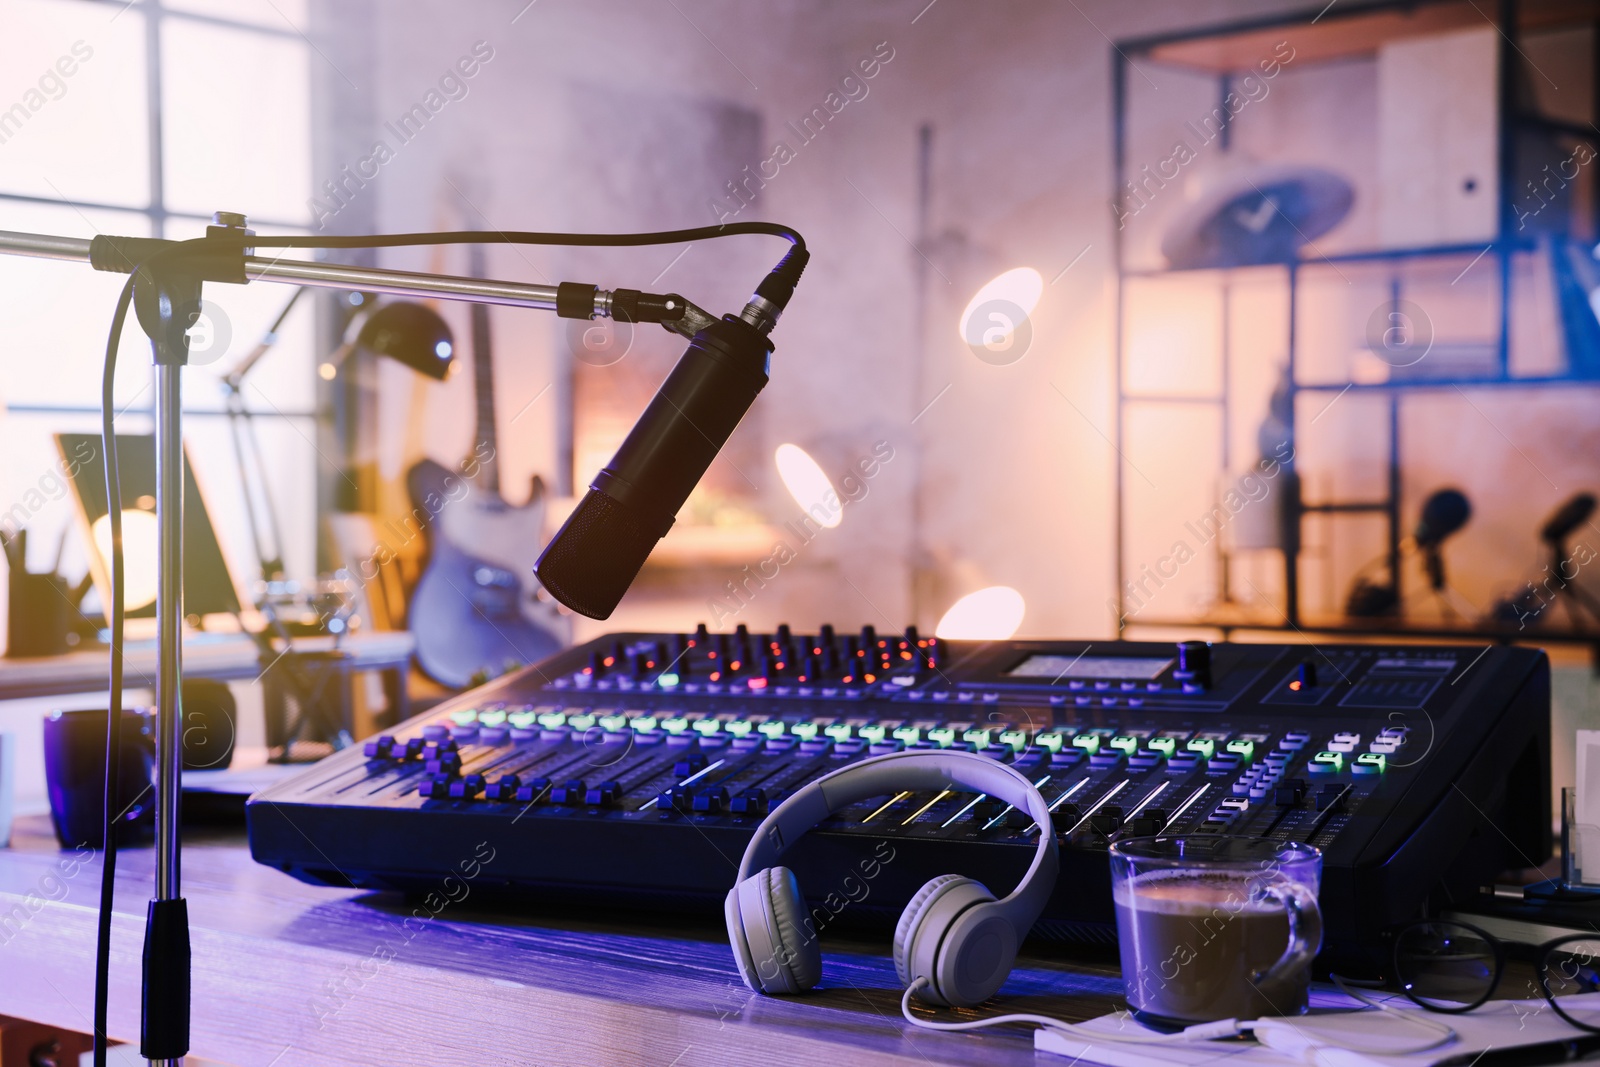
{"x":167,"y":303}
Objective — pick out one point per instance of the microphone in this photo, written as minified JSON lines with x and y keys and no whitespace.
{"x":1445,"y":512}
{"x":632,"y":502}
{"x":1571,"y":515}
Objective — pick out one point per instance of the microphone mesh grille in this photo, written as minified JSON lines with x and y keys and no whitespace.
{"x":595,"y":557}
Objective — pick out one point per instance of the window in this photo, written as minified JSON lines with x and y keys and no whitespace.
{"x":142,"y":118}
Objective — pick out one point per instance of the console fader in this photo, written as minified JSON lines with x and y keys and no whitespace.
{"x":634,"y":768}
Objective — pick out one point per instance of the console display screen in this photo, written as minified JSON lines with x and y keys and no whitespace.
{"x":1053,"y":668}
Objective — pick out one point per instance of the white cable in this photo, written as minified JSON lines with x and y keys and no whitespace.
{"x":1282,"y":1033}
{"x":1204,"y":1031}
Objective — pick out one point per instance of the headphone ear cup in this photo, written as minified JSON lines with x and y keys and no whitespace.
{"x":766,"y":917}
{"x":905,"y":929}
{"x":957,"y":936}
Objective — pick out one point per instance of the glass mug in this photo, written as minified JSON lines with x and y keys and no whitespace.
{"x":1215,"y":927}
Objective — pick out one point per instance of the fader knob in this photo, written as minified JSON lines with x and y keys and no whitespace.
{"x":825,"y":635}
{"x":783,"y":635}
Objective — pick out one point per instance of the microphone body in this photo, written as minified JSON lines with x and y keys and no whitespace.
{"x":632,"y":502}
{"x":1571,"y":515}
{"x":1443,"y":514}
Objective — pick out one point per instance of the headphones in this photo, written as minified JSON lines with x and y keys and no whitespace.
{"x":954,"y":941}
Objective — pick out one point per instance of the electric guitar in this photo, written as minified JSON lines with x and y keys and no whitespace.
{"x":475,"y":611}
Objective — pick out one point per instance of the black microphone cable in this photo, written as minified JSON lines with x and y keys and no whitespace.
{"x":776,"y":288}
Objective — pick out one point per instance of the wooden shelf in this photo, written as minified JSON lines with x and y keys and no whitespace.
{"x":1347,"y":31}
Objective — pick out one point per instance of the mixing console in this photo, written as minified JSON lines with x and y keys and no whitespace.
{"x":634,"y":769}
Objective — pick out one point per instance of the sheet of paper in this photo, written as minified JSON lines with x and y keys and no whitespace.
{"x":1585,"y":837}
{"x":1339,"y":1038}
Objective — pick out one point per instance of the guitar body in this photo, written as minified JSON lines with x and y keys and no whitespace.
{"x":476,"y":610}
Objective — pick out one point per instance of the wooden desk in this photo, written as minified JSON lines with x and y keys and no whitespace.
{"x":288,"y":974}
{"x":227,"y":657}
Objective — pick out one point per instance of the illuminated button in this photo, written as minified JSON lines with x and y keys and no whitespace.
{"x":612,"y":723}
{"x":1124,"y":743}
{"x":707,"y":727}
{"x":909,"y":734}
{"x":552,"y":719}
{"x":464,"y":716}
{"x":774,"y":728}
{"x":1245,"y":750}
{"x":1369,"y":763}
{"x":522,"y":719}
{"x":492,"y":717}
{"x":1234,"y":804}
{"x":643,"y":724}
{"x":1164,"y":745}
{"x":1202,"y":745}
{"x":872,"y":734}
{"x":943,"y":736}
{"x":979,"y":738}
{"x":581,"y":722}
{"x":677,"y":724}
{"x":739,"y":727}
{"x":839,"y":731}
{"x":1051,"y":742}
{"x":1017,"y":739}
{"x":805,"y":731}
{"x":1326,"y":763}
{"x":1090,"y":743}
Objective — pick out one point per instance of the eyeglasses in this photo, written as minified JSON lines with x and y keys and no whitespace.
{"x":1454,"y":967}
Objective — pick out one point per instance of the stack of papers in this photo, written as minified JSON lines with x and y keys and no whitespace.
{"x":1341,"y":1032}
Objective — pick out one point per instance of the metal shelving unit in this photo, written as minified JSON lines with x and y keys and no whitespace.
{"x":1331,"y":32}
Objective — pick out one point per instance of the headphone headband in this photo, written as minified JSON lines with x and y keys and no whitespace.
{"x":898,"y":771}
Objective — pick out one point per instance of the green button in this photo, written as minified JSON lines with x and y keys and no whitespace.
{"x":1090,"y":743}
{"x":491,"y":718}
{"x":1332,"y":759}
{"x":643,"y":723}
{"x":1374,"y":760}
{"x":1164,"y":745}
{"x":464,"y":716}
{"x":1204,"y":746}
{"x":1051,"y":742}
{"x":739,"y":727}
{"x":707,"y":727}
{"x":978,"y":737}
{"x":838,"y":731}
{"x":1244,"y":749}
{"x":552,"y":719}
{"x":872,"y":733}
{"x":675,"y":725}
{"x":1016,"y":739}
{"x":1124,"y":743}
{"x":909,"y":734}
{"x":943,"y":736}
{"x":581,"y":722}
{"x":522,"y":719}
{"x":773,"y":728}
{"x":612,"y":723}
{"x":805,"y":731}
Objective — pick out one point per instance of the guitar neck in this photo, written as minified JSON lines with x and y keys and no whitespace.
{"x":485,"y":448}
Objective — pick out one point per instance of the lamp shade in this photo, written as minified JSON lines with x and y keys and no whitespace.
{"x":410,"y":333}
